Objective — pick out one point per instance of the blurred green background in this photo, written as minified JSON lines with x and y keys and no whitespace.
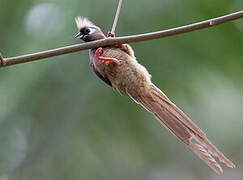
{"x":59,"y":121}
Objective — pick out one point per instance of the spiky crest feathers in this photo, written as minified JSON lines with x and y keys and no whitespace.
{"x":82,"y":22}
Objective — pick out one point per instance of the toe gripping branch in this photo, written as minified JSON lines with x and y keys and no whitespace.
{"x":113,"y":35}
{"x":99,"y":51}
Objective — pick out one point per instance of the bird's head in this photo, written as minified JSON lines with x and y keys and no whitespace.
{"x":87,"y":30}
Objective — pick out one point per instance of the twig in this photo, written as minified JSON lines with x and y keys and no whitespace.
{"x":116,"y":17}
{"x":122,"y":40}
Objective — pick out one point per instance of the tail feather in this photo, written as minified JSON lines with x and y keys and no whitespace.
{"x":206,"y":157}
{"x":180,"y":125}
{"x":214,"y":151}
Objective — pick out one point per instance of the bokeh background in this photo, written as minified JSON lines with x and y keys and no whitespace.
{"x":59,"y":121}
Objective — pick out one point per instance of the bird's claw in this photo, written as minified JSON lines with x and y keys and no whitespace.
{"x":98,"y":55}
{"x":99,"y":52}
{"x":109,"y":34}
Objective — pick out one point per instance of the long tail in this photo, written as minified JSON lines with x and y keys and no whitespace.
{"x":180,"y":125}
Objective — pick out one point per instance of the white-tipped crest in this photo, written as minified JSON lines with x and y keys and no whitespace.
{"x":83,"y":22}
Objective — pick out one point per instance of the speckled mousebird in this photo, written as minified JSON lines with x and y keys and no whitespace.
{"x":117,"y":66}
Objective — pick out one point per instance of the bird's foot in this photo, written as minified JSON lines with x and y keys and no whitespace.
{"x":109,"y":34}
{"x":117,"y":45}
{"x":98,"y":55}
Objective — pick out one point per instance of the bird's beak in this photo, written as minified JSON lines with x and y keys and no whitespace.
{"x":79,"y":36}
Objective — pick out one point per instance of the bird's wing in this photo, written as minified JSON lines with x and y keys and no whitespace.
{"x":105,"y":79}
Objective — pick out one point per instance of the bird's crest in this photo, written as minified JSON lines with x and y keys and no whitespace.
{"x":83,"y":22}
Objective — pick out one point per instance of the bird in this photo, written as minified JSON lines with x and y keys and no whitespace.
{"x":118,"y":67}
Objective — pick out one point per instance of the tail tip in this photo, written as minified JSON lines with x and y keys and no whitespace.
{"x":228,"y":163}
{"x":231,"y":165}
{"x":219,"y":171}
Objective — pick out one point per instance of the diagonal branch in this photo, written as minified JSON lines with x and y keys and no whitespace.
{"x":116,"y":17}
{"x":120,"y":40}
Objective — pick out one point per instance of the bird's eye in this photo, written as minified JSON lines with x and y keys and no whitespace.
{"x":86,"y":31}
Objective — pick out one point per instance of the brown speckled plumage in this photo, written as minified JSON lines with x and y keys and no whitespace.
{"x":128,"y":77}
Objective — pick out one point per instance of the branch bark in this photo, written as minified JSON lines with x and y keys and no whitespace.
{"x":120,"y":40}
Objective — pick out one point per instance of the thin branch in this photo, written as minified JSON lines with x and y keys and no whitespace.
{"x":121,"y":40}
{"x":116,"y":17}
